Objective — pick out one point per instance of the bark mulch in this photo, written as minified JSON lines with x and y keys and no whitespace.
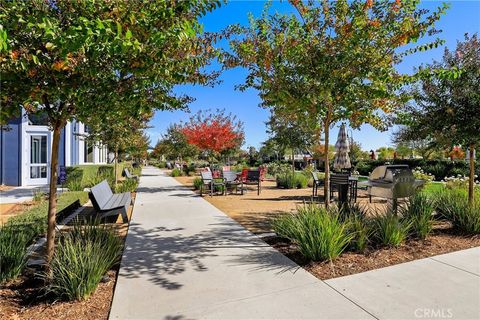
{"x":25,"y":298}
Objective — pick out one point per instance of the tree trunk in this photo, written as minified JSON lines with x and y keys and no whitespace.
{"x":471,"y":191}
{"x":293,"y":161}
{"x":52,"y":198}
{"x":115,"y":167}
{"x":326,"y":186}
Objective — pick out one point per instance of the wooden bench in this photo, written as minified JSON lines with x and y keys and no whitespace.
{"x":106,"y":203}
{"x":128,"y":175}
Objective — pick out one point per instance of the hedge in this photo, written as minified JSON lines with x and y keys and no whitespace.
{"x":439,"y":168}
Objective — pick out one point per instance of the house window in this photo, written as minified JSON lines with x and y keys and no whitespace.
{"x":88,"y":152}
{"x":38,"y":119}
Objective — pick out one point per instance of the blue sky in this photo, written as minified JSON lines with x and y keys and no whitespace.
{"x":462,"y":17}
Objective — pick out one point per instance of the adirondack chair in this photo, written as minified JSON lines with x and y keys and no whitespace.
{"x":209,"y":181}
{"x":106,"y":203}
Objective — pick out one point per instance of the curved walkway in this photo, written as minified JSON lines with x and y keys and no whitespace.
{"x":185,"y":259}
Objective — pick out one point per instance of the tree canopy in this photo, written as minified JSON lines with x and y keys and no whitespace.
{"x":73,"y":59}
{"x":334,"y":60}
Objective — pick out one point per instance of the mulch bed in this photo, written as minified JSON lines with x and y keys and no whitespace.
{"x":24,"y":298}
{"x":444,"y":239}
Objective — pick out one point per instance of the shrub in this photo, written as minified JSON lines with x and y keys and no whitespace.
{"x":276,"y":168}
{"x":288,"y":180}
{"x":82,"y":257}
{"x":39,"y":195}
{"x":74,"y":184}
{"x":319,"y":234}
{"x":14,"y":242}
{"x":127,"y":185}
{"x":197,"y":183}
{"x":389,"y":229}
{"x":453,"y":205}
{"x":418,"y":212}
{"x":176,"y":172}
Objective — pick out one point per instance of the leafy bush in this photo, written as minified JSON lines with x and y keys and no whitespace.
{"x":319,"y":234}
{"x":453,"y":205}
{"x":438,"y":168}
{"x":176,"y":172}
{"x":197,"y":183}
{"x":39,"y":195}
{"x":276,"y":168}
{"x":418,"y":173}
{"x":127,"y":185}
{"x":288,"y":180}
{"x":418,"y":212}
{"x":82,"y":257}
{"x":74,"y":184}
{"x":389,"y":229}
{"x":14,"y":242}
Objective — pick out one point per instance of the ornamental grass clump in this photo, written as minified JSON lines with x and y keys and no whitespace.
{"x":14,"y":241}
{"x":82,"y":257}
{"x":389,"y":229}
{"x":197,"y":183}
{"x":289,"y":180}
{"x":418,"y":211}
{"x":319,"y":234}
{"x":359,"y":227}
{"x":452,"y":204}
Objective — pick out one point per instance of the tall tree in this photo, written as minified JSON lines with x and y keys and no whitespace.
{"x":174,"y":145}
{"x":447,"y":108}
{"x":334,"y":60}
{"x":291,"y":131}
{"x":214,"y":131}
{"x":60,"y":56}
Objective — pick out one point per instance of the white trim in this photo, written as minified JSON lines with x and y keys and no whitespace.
{"x":67,"y":146}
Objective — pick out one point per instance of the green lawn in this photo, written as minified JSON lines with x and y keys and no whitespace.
{"x":433,"y":187}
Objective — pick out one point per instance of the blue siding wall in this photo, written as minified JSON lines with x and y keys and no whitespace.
{"x":11,"y":156}
{"x":61,"y":149}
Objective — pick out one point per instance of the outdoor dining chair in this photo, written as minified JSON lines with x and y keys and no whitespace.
{"x":209,"y":181}
{"x":253,"y":178}
{"x":232,"y":181}
{"x":316,"y":183}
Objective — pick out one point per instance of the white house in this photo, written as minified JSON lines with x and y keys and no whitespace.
{"x":25,"y":150}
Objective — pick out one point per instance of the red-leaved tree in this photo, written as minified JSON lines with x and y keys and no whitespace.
{"x":214,"y":132}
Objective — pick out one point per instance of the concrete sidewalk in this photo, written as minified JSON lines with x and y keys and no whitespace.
{"x":185,"y":259}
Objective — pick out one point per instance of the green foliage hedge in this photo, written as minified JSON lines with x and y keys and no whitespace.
{"x":439,"y":168}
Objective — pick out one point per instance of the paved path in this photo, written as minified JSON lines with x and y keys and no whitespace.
{"x":22,"y":194}
{"x":185,"y":259}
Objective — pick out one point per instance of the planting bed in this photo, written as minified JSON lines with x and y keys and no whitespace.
{"x":443,"y":240}
{"x":256,"y":213}
{"x":24,"y":298}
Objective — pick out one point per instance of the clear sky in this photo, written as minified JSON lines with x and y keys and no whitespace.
{"x":462,"y":17}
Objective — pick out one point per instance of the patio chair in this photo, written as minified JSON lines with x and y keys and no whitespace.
{"x":336,"y":180}
{"x":232,"y":181}
{"x":316,"y":183}
{"x":253,"y":178}
{"x":209,"y":180}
